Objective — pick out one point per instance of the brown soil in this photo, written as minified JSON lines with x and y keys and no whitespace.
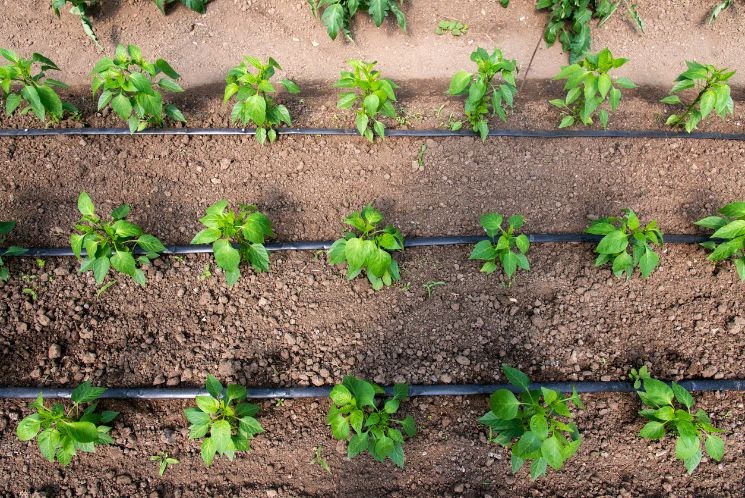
{"x":303,"y":324}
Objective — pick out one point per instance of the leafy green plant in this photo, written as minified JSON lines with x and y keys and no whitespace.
{"x":61,"y":433}
{"x":486,"y":97}
{"x":5,"y":228}
{"x":367,"y":423}
{"x":728,"y":239}
{"x":337,"y":14}
{"x":36,"y":91}
{"x":164,"y":461}
{"x":718,"y":9}
{"x":664,"y":411}
{"x":504,"y":247}
{"x":454,"y":27}
{"x":253,"y":102}
{"x":535,"y":425}
{"x":713,"y":95}
{"x":371,"y":94}
{"x":128,"y":84}
{"x":248,"y":229}
{"x":368,"y":248}
{"x":111,"y":244}
{"x":195,"y":5}
{"x":79,"y":8}
{"x":569,"y":21}
{"x":621,"y":234}
{"x":229,"y":420}
{"x":588,"y":86}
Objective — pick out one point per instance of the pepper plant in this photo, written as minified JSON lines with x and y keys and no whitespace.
{"x":504,"y":247}
{"x":195,"y":5}
{"x":248,"y":229}
{"x":79,"y":8}
{"x":337,"y":14}
{"x":718,"y":9}
{"x":728,"y":239}
{"x":60,"y":432}
{"x":670,"y":409}
{"x":485,"y":96}
{"x":536,"y":425}
{"x":368,"y":248}
{"x":225,"y":415}
{"x":111,"y":244}
{"x":569,"y":21}
{"x":129,"y":85}
{"x":367,"y":423}
{"x":713,"y":95}
{"x":371,"y":94}
{"x":454,"y":27}
{"x":5,"y":228}
{"x":253,"y":101}
{"x":20,"y":85}
{"x":621,"y":234}
{"x":588,"y":86}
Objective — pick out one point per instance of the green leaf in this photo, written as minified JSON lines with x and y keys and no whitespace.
{"x":714,"y":447}
{"x":220,"y":434}
{"x":504,"y":404}
{"x":290,"y":86}
{"x":208,"y":451}
{"x":81,"y":432}
{"x":101,"y":267}
{"x":613,"y":243}
{"x":255,"y":107}
{"x":357,"y":444}
{"x":214,"y":387}
{"x":29,"y":427}
{"x":207,"y":404}
{"x":85,"y":205}
{"x":384,"y":446}
{"x":122,"y":106}
{"x":409,"y":426}
{"x":516,"y":377}
{"x":333,"y":18}
{"x":734,"y":210}
{"x":31,"y":95}
{"x":85,"y":393}
{"x":339,"y":427}
{"x":566,"y":121}
{"x":539,"y":426}
{"x":551,"y":451}
{"x":49,"y":441}
{"x":648,"y":262}
{"x":484,"y":250}
{"x":459,"y":82}
{"x":226,"y":256}
{"x":538,"y":468}
{"x":682,"y":395}
{"x":730,"y":230}
{"x":340,"y":395}
{"x":653,"y":430}
{"x":686,"y":447}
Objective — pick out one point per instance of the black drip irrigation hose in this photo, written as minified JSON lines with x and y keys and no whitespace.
{"x":541,"y":238}
{"x":651,"y":134}
{"x":737,"y":385}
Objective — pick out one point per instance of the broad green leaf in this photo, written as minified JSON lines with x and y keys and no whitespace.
{"x":340,"y":395}
{"x":551,"y":451}
{"x":504,"y":404}
{"x":357,"y":444}
{"x":29,"y":427}
{"x":653,"y":430}
{"x":516,"y":377}
{"x":220,"y":433}
{"x":714,"y":447}
{"x":459,"y":82}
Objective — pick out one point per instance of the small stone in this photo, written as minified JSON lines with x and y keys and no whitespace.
{"x":462,"y":360}
{"x":55,"y":351}
{"x":459,"y":488}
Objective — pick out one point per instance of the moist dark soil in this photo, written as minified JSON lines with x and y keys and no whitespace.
{"x":304,"y":324}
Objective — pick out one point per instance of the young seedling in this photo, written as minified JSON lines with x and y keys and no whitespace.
{"x":164,"y":460}
{"x":621,"y":234}
{"x":129,"y":84}
{"x":5,"y":228}
{"x":669,"y":408}
{"x":588,"y":86}
{"x":504,"y":247}
{"x":485,"y":96}
{"x":718,"y":9}
{"x":713,"y":95}
{"x":111,"y":244}
{"x":454,"y":27}
{"x":228,"y":419}
{"x":370,"y":94}
{"x":368,"y":248}
{"x":248,"y":229}
{"x":569,"y":21}
{"x":367,"y":423}
{"x":728,"y":238}
{"x":195,"y":5}
{"x":61,"y":432}
{"x":337,"y":14}
{"x":535,"y":425}
{"x":36,"y":92}
{"x":429,"y":286}
{"x":253,"y":101}
{"x":79,"y":8}
{"x":319,"y":459}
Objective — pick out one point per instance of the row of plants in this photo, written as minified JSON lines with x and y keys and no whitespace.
{"x":569,"y":20}
{"x":367,"y":248}
{"x":535,"y":424}
{"x":131,"y":87}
